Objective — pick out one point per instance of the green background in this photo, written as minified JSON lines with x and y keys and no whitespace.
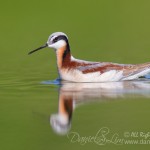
{"x":98,"y":30}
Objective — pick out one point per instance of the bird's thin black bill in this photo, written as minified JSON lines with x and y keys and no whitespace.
{"x":44,"y":46}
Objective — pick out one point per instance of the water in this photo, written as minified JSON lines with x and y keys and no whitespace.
{"x":39,"y":114}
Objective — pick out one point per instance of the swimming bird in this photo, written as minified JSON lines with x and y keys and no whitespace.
{"x":75,"y":70}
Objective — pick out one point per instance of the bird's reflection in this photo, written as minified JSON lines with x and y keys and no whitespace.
{"x":61,"y":122}
{"x":72,"y":95}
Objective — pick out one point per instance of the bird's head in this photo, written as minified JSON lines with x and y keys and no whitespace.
{"x":55,"y":41}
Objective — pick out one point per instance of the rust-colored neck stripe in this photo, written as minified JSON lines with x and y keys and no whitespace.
{"x":63,"y":56}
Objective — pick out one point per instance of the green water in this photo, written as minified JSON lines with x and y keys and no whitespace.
{"x":99,"y":30}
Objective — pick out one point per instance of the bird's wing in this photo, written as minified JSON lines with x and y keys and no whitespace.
{"x":128,"y":70}
{"x":136,"y":71}
{"x":102,"y":67}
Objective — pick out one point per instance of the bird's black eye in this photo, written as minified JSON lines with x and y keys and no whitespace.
{"x":55,"y":40}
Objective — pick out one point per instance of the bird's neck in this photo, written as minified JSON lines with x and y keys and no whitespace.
{"x":63,"y":55}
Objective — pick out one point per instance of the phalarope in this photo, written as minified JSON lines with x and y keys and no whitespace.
{"x":76,"y":70}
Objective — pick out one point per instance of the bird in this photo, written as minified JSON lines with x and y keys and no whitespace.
{"x":77,"y":70}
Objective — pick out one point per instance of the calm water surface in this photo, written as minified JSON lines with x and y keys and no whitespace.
{"x":37,"y":114}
